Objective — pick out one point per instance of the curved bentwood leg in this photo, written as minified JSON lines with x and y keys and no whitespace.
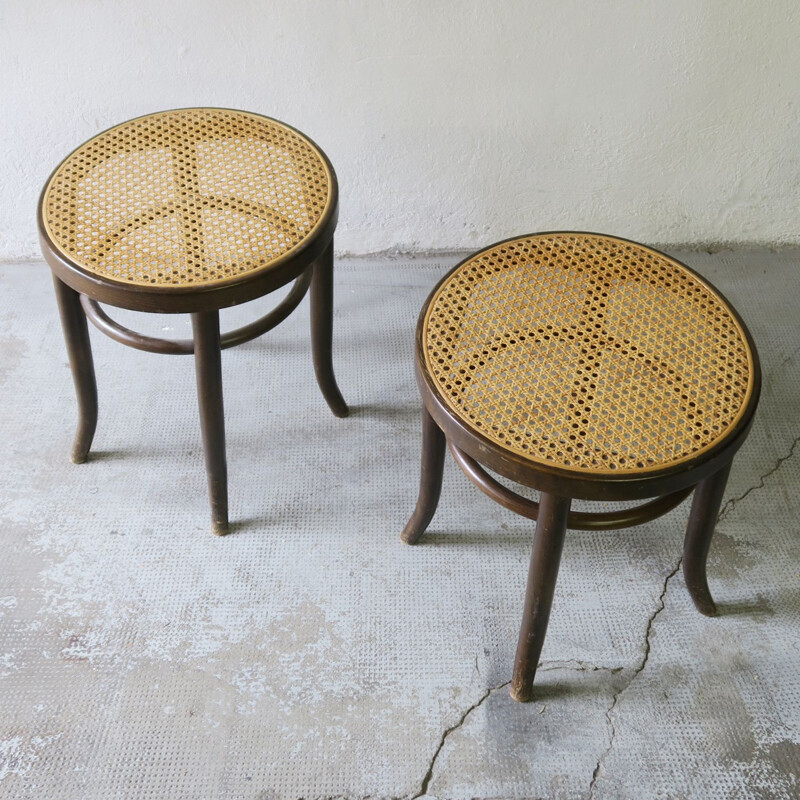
{"x":430,"y":484}
{"x":322,"y":331}
{"x":79,"y":350}
{"x":702,"y":520}
{"x":551,"y":527}
{"x":208,"y":368}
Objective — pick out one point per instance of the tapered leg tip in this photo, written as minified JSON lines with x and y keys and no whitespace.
{"x":522,"y":694}
{"x":78,"y":457}
{"x":701,"y":597}
{"x":410,"y":534}
{"x":708,"y":608}
{"x":219,"y":528}
{"x":340,"y":410}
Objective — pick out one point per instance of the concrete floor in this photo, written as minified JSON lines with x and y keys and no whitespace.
{"x":310,"y":654}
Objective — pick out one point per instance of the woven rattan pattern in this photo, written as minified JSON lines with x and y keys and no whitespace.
{"x":193,"y":196}
{"x":588,"y":353}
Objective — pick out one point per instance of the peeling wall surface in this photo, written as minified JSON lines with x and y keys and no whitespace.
{"x":451,"y":125}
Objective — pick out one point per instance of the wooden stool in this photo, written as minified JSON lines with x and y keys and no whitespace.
{"x":584,"y":366}
{"x":192,"y":211}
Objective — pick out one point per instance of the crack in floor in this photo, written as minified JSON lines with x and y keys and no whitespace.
{"x":609,"y":713}
{"x":730,"y":504}
{"x":576,"y":666}
{"x":636,"y":671}
{"x":429,"y":774}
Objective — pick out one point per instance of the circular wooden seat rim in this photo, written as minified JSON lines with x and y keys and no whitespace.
{"x":194,"y":297}
{"x":584,"y":484}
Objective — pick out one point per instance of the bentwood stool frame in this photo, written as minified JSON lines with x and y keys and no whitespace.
{"x":81,"y":286}
{"x":706,"y":472}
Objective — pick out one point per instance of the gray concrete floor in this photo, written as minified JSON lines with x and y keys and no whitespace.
{"x":310,"y":654}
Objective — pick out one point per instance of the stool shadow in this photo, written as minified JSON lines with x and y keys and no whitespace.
{"x":386,"y":412}
{"x":247,"y":525}
{"x":505,"y":539}
{"x":108,"y":455}
{"x":571,"y":684}
{"x":759,"y":607}
{"x":147,"y":452}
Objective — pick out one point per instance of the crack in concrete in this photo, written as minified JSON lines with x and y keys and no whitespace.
{"x":609,"y":713}
{"x":731,"y":504}
{"x":637,"y":670}
{"x":576,"y":666}
{"x":429,"y":774}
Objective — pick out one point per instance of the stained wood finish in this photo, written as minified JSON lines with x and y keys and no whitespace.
{"x":79,"y":350}
{"x":707,"y":471}
{"x":551,"y":527}
{"x":322,"y":331}
{"x":430,"y":483}
{"x":208,"y":369}
{"x":707,"y":500}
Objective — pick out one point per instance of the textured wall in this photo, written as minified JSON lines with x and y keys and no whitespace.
{"x":450,"y":124}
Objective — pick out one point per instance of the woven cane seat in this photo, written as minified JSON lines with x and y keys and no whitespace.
{"x":189,"y":197}
{"x":586,"y":352}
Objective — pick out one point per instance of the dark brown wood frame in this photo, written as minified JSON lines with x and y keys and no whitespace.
{"x":706,"y":475}
{"x":79,"y":294}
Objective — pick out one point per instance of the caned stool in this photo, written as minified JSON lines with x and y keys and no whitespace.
{"x":192,"y":210}
{"x":584,"y":366}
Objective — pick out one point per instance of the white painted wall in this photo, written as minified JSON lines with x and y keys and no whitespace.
{"x":450,"y":124}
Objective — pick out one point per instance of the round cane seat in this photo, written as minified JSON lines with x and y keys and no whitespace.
{"x":587,"y":353}
{"x":196,"y":197}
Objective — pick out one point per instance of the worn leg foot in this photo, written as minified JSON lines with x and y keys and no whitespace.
{"x":551,"y":527}
{"x":79,"y":350}
{"x":322,"y":331}
{"x":208,"y":366}
{"x":702,"y":520}
{"x":430,"y":484}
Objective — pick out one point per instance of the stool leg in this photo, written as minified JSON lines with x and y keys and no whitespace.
{"x":322,"y":331}
{"x":208,"y":367}
{"x":430,"y":484}
{"x":551,"y":527}
{"x":702,"y":520}
{"x":79,"y":350}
